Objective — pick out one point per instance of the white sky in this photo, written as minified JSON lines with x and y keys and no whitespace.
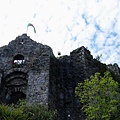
{"x":65,"y":25}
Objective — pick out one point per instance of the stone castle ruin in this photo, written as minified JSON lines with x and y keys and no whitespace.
{"x":30,"y":70}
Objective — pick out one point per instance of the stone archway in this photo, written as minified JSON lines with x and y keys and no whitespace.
{"x":15,"y":86}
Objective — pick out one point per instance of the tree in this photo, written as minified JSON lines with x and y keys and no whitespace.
{"x":99,"y":97}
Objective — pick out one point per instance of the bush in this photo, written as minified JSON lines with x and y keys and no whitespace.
{"x":11,"y":113}
{"x":24,"y":111}
{"x":37,"y":111}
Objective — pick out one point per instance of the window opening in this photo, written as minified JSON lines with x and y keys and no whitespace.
{"x":18,"y":59}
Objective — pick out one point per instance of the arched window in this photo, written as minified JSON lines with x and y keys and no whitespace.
{"x":18,"y":59}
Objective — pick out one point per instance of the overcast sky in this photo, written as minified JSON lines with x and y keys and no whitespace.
{"x":65,"y":25}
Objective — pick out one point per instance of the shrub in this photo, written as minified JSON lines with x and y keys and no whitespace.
{"x":25,"y":111}
{"x":37,"y":111}
{"x":11,"y":113}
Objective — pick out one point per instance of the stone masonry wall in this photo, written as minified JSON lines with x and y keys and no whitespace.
{"x":32,"y":74}
{"x":65,"y":73}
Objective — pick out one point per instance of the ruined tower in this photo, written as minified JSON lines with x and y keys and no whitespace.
{"x":24,"y":71}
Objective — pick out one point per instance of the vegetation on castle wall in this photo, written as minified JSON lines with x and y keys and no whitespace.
{"x":102,"y":67}
{"x":100,"y":97}
{"x":11,"y":113}
{"x":23,"y":111}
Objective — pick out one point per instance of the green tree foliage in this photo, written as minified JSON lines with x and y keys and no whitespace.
{"x":24,"y":111}
{"x":100,"y":97}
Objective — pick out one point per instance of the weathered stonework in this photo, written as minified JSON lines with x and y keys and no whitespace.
{"x":24,"y":67}
{"x":30,"y":70}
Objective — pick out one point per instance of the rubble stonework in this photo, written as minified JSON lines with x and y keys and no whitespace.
{"x":24,"y":68}
{"x":30,"y":70}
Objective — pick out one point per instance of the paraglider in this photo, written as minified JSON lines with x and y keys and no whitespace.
{"x":29,"y":24}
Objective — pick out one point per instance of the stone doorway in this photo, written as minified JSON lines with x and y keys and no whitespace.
{"x":15,"y":86}
{"x":15,"y":97}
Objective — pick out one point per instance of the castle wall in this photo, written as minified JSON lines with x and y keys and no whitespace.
{"x":61,"y":91}
{"x":65,"y":73}
{"x":24,"y":67}
{"x":29,"y":69}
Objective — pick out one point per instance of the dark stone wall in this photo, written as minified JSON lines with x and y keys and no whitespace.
{"x":61,"y":86}
{"x":65,"y":73}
